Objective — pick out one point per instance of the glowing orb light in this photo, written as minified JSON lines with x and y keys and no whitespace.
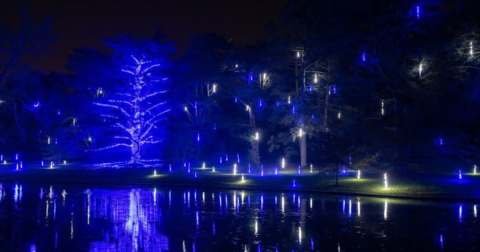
{"x":4,"y":161}
{"x":16,"y":156}
{"x":276,"y":170}
{"x":203,"y":165}
{"x":213,"y":169}
{"x":475,"y":169}
{"x":299,"y":169}
{"x":460,"y":174}
{"x":235,"y":169}
{"x":51,"y":164}
{"x":64,"y":162}
{"x":471,"y":48}
{"x":283,"y":163}
{"x":358,"y":174}
{"x":249,"y":168}
{"x":170,"y":167}
{"x":1,"y":157}
{"x":311,"y":168}
{"x":42,"y":163}
{"x":385,"y":178}
{"x":16,"y":168}
{"x":195,"y":174}
{"x":299,"y":235}
{"x":294,"y":184}
{"x":243,"y":178}
{"x":154,"y":172}
{"x":256,"y":136}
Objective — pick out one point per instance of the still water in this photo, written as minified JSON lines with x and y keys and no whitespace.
{"x":36,"y":217}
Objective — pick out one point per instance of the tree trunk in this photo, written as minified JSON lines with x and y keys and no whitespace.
{"x":303,"y":150}
{"x":255,"y":150}
{"x":336,"y":175}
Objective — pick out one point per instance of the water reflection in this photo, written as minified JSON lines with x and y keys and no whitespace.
{"x":137,"y":219}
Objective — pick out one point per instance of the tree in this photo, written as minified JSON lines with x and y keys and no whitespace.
{"x":132,"y":108}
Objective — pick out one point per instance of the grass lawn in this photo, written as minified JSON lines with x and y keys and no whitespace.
{"x":416,"y":185}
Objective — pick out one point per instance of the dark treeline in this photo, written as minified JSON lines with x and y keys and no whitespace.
{"x":340,"y":83}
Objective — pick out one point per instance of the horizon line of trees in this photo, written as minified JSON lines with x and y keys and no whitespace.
{"x":339,"y":84}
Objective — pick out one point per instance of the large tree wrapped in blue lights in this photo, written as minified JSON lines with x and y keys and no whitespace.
{"x":131,"y":104}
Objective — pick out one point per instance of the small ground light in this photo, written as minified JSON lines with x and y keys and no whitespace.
{"x":475,"y":169}
{"x":213,"y":169}
{"x":386,"y":180}
{"x":235,"y":169}
{"x":243,"y":178}
{"x":311,"y":168}
{"x":294,"y":184}
{"x":43,"y":163}
{"x":459,"y":174}
{"x":299,"y":169}
{"x":170,"y":167}
{"x":4,"y":161}
{"x":154,"y":172}
{"x":358,"y":174}
{"x":276,"y":170}
{"x":203,"y":165}
{"x":283,"y":163}
{"x":64,"y":162}
{"x":51,"y":164}
{"x":16,"y":168}
{"x":195,"y":174}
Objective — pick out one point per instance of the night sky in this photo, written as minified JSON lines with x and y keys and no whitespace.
{"x":84,"y":23}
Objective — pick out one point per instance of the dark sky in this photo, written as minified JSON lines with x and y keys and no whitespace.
{"x":83,"y":23}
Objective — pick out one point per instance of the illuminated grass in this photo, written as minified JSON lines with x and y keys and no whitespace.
{"x":372,"y":184}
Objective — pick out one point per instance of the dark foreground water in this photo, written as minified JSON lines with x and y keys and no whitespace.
{"x":35,"y":217}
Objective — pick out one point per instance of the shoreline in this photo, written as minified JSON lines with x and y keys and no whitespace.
{"x":468,"y":191}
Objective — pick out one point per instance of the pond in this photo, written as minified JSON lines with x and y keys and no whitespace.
{"x":41,"y":217}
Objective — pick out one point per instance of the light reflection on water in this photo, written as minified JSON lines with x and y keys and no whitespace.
{"x":157,"y":219}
